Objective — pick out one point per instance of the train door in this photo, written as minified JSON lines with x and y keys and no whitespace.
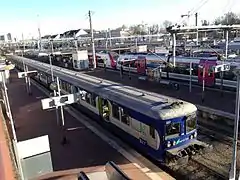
{"x":206,"y":72}
{"x":143,"y":133}
{"x":90,"y":59}
{"x":112,"y":60}
{"x":104,"y":108}
{"x":141,"y":65}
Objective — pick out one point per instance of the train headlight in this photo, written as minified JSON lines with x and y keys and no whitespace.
{"x":168,"y":144}
{"x":174,"y":143}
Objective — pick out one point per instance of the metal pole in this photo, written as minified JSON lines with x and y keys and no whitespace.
{"x":39,"y":34}
{"x":129,"y":71}
{"x":59,"y":94}
{"x":136,"y":43}
{"x":174,"y":49}
{"x":196,"y":23}
{"x":226,"y":47}
{"x":226,"y":54}
{"x":50,"y":60}
{"x":92,"y":39}
{"x":76,"y":44}
{"x":64,"y":140}
{"x":24,"y":66}
{"x":160,"y":73}
{"x":110,"y":41}
{"x":51,"y":69}
{"x":203,"y":87}
{"x":190,"y":80}
{"x":23,"y":44}
{"x":12,"y":127}
{"x":26,"y":79}
{"x":232,"y":174}
{"x":28,"y":83}
{"x":106,"y":43}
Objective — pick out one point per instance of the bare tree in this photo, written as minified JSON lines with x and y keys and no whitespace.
{"x":154,"y":29}
{"x":205,"y":23}
{"x":137,"y":30}
{"x":167,"y":23}
{"x":228,"y":19}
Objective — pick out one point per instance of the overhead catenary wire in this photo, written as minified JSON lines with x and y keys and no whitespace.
{"x":193,"y":11}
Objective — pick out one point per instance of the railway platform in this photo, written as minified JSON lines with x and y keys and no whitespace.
{"x":212,"y":97}
{"x":85,"y":151}
{"x":7,"y":170}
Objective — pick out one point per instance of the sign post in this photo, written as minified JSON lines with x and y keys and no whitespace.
{"x":221,"y":68}
{"x":59,"y":101}
{"x":27,"y":74}
{"x":190,"y":78}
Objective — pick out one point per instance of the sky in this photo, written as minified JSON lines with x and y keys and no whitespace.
{"x":57,"y":16}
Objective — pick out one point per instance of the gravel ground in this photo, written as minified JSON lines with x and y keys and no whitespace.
{"x":208,"y":165}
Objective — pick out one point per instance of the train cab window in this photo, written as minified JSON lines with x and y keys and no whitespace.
{"x":115,"y":111}
{"x":152,"y":132}
{"x":125,"y":117}
{"x":191,"y":123}
{"x":172,"y":130}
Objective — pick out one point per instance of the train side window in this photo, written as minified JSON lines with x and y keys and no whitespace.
{"x":125,"y":118}
{"x":83,"y":95}
{"x":152,"y":132}
{"x":94,"y":100}
{"x":115,"y":111}
{"x":63,"y":85}
{"x":75,"y":89}
{"x":68,"y":87}
{"x":88,"y":98}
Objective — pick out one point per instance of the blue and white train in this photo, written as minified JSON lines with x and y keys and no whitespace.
{"x":162,"y":127}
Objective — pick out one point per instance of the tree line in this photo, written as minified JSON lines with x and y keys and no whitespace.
{"x":143,"y":29}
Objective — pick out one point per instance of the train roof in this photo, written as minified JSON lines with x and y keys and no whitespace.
{"x":153,"y":105}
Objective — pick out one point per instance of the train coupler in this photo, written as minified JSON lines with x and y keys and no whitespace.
{"x":182,"y":154}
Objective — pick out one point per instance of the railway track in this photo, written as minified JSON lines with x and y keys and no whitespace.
{"x":218,"y":161}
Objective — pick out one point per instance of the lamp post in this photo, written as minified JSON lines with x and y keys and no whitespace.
{"x":232,"y":174}
{"x":51,"y":69}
